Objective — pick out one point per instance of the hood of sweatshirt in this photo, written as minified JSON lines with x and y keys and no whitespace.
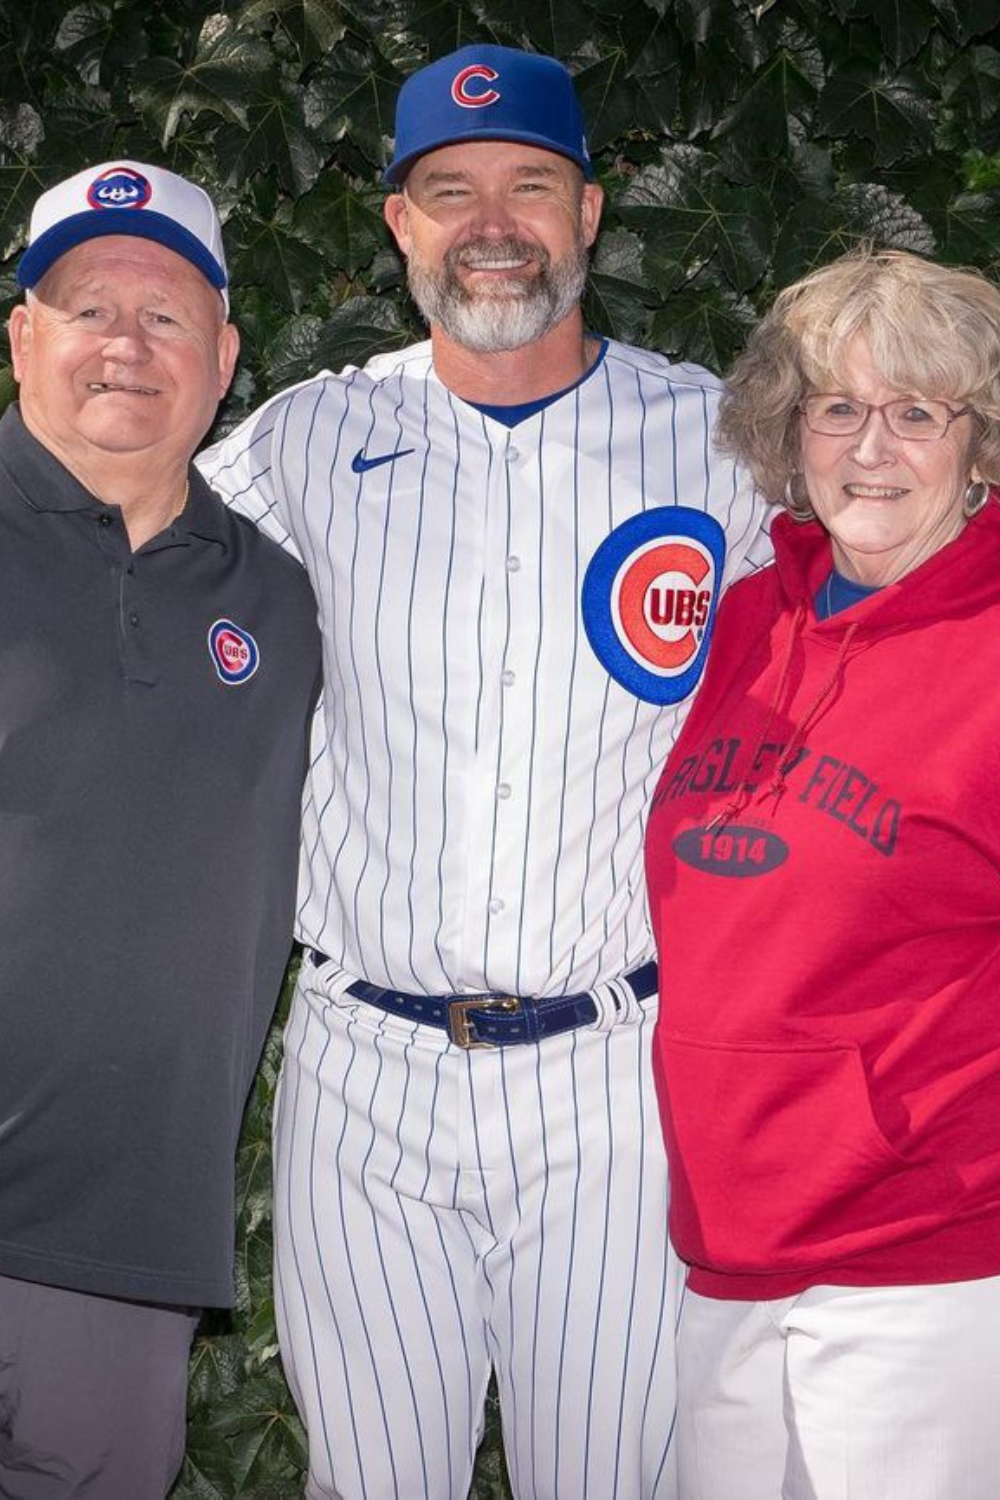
{"x":957,"y":580}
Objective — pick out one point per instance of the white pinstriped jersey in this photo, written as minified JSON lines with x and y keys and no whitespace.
{"x":475,"y":805}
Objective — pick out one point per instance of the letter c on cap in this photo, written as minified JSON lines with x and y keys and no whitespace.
{"x":460,"y":92}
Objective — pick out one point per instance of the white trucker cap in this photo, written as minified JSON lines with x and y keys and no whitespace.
{"x":126,"y":197}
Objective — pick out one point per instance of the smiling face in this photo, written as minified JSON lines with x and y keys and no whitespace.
{"x":121,"y":354}
{"x":496,"y":236}
{"x":888,"y":503}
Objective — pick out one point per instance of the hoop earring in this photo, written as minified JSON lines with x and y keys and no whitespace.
{"x":801,"y":510}
{"x":976,"y":495}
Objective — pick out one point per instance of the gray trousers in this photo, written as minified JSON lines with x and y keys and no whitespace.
{"x":92,"y":1394}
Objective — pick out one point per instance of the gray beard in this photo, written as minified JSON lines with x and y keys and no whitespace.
{"x":508,"y":316}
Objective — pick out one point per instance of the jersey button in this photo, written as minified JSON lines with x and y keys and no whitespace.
{"x":512,"y":455}
{"x":503,"y":790}
{"x":513,"y":564}
{"x":496,"y":906}
{"x":133,"y":617}
{"x":507,"y":677}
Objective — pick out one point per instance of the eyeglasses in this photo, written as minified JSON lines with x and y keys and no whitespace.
{"x":832,"y":414}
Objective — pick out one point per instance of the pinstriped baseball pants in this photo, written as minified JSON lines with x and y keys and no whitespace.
{"x":439,"y":1213}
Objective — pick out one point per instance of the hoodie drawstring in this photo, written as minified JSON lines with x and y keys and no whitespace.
{"x":776,"y":786}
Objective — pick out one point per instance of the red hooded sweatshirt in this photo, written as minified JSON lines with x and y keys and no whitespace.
{"x":823,"y":858}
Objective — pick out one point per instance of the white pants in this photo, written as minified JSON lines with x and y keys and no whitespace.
{"x":886,"y":1393}
{"x":439,"y":1213}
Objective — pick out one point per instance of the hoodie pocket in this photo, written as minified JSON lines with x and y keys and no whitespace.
{"x":778,"y":1162}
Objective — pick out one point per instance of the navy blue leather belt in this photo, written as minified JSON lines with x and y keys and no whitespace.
{"x":494,"y":1020}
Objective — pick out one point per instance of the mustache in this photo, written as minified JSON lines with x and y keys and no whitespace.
{"x":480,"y":254}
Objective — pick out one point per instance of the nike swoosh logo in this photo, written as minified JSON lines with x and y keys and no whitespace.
{"x":361,"y":465}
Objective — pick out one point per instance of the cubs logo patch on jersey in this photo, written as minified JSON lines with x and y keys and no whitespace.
{"x":234,"y":652}
{"x":649,"y":599}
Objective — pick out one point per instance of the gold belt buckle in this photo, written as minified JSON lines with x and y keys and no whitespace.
{"x":459,"y":1025}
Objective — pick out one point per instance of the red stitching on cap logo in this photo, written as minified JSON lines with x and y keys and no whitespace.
{"x":460,"y":92}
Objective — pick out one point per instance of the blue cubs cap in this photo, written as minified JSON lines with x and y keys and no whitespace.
{"x":125,"y":197}
{"x":487,"y":93}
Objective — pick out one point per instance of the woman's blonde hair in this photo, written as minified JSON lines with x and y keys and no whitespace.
{"x":932,"y":331}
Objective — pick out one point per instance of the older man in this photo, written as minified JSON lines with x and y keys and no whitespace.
{"x":158,"y":662}
{"x":516,"y":533}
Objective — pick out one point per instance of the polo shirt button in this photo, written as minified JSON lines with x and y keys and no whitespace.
{"x":105,"y":521}
{"x":133,"y":617}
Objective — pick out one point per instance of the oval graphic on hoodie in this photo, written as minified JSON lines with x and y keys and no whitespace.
{"x":733,"y":849}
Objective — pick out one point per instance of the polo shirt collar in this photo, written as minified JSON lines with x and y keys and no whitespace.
{"x":204,"y":516}
{"x":42,"y":481}
{"x":45,"y":484}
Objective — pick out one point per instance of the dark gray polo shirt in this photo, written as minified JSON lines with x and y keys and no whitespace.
{"x":153,"y":722}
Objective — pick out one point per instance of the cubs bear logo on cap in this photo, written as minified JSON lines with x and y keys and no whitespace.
{"x":119,"y":187}
{"x":488,"y":93}
{"x":233,"y":651}
{"x":649,"y":598}
{"x":125,"y":197}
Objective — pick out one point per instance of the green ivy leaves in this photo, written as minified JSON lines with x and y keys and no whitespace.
{"x":739,"y":142}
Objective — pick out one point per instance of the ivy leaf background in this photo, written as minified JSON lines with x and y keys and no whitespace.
{"x":739,"y":142}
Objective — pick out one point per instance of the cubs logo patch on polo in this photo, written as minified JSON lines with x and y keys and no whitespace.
{"x":119,"y":187}
{"x":649,"y":599}
{"x":233,"y":651}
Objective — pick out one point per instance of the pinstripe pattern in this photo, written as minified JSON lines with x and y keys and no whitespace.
{"x":473,"y":821}
{"x":476,"y":798}
{"x":549,"y":1254}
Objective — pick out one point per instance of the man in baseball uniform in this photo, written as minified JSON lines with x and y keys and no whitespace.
{"x":517,"y":532}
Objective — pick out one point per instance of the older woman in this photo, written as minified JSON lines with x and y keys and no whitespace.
{"x":824,"y":871}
